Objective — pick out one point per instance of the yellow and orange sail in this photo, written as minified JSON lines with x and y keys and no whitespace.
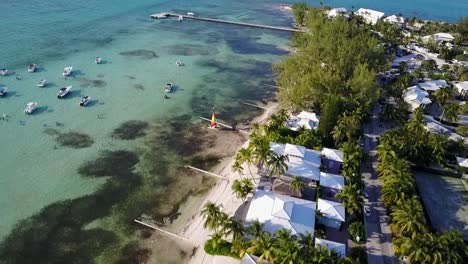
{"x":213,"y":120}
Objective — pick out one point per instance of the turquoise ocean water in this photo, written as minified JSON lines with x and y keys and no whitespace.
{"x":54,"y":191}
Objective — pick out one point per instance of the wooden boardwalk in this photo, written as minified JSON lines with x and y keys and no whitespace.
{"x":222,"y":21}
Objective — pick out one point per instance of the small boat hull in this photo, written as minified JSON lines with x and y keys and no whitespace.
{"x":67,"y":71}
{"x":85,"y":101}
{"x":64,"y":92}
{"x":30,"y":107}
{"x":32,"y":68}
{"x":3,"y":91}
{"x":3,"y":72}
{"x":42,"y":83}
{"x":168,"y":88}
{"x":98,"y":60}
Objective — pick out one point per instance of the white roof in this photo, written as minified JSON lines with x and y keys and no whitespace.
{"x":439,"y":37}
{"x":415,"y":97}
{"x":307,"y":166}
{"x":332,"y":180}
{"x":304,"y":119}
{"x":462,"y":86}
{"x":331,"y":245}
{"x":432,"y":85}
{"x":332,"y":210}
{"x":336,"y":11}
{"x":308,"y":115}
{"x":394,"y":19}
{"x":462,"y":162}
{"x":407,"y":58}
{"x":333,"y":154}
{"x":369,"y":15}
{"x":281,"y":211}
{"x":436,"y":127}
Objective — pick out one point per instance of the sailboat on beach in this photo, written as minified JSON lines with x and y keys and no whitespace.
{"x":213,"y":123}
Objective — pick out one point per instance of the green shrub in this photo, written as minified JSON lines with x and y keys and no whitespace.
{"x":223,"y":248}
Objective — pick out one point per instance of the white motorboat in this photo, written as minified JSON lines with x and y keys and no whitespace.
{"x":63,"y":91}
{"x":3,"y":91}
{"x":42,"y":83}
{"x":190,"y":14}
{"x":67,"y":71}
{"x":179,"y":63}
{"x":3,"y":72}
{"x":98,"y":60}
{"x":85,"y":100}
{"x":180,"y":18}
{"x":168,"y":87}
{"x":32,"y":67}
{"x":30,"y":107}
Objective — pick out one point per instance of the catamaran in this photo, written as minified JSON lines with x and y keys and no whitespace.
{"x":32,"y":67}
{"x":3,"y":91}
{"x":30,"y":107}
{"x":42,"y":83}
{"x":67,"y":71}
{"x":63,"y":91}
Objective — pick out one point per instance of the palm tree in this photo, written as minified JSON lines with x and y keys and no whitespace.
{"x":395,"y":191}
{"x":439,"y":145}
{"x":212,"y":215}
{"x":451,"y":112}
{"x":239,"y":247}
{"x":442,"y":95}
{"x":248,"y":185}
{"x":237,"y":167}
{"x":277,"y":164}
{"x":265,"y":247}
{"x":261,"y":151}
{"x":234,"y":228}
{"x":297,"y":185}
{"x":425,"y":248}
{"x":352,"y":198}
{"x":288,"y":246}
{"x":255,"y":229}
{"x":408,"y":218}
{"x":242,"y":188}
{"x":453,"y":241}
{"x":245,"y":155}
{"x":216,"y":239}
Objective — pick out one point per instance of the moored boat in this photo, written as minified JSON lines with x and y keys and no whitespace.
{"x":98,"y":60}
{"x":30,"y":107}
{"x":3,"y":91}
{"x":85,"y":100}
{"x":32,"y":67}
{"x":42,"y":83}
{"x":3,"y":72}
{"x":179,"y":63}
{"x":63,"y":91}
{"x":168,"y":87}
{"x":67,"y":71}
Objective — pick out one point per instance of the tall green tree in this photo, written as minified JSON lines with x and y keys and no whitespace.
{"x":351,"y":197}
{"x":277,"y":164}
{"x":297,"y":185}
{"x":212,"y":215}
{"x":264,"y":247}
{"x":408,"y":218}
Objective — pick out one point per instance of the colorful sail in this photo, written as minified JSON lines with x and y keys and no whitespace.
{"x":213,"y":120}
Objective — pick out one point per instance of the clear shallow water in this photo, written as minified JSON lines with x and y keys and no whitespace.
{"x":224,"y":64}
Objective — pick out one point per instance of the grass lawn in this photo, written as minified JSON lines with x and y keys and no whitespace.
{"x":445,"y":200}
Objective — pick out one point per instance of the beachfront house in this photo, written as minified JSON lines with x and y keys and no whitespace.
{"x":303,"y":163}
{"x":462,"y":89}
{"x":333,"y":213}
{"x":396,"y":20}
{"x":331,"y":184}
{"x":339,"y":11}
{"x":332,"y":246}
{"x":436,"y":127}
{"x":280,"y":211}
{"x":416,"y":97}
{"x":462,"y":162}
{"x":370,"y":16}
{"x":432,"y":85}
{"x":332,"y":159}
{"x":438,"y":38}
{"x":306,"y":120}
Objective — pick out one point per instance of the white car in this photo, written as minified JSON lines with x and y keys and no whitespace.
{"x":367,"y":210}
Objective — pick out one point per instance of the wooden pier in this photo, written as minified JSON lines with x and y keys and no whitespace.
{"x":209,"y":173}
{"x":165,"y":232}
{"x":222,"y":21}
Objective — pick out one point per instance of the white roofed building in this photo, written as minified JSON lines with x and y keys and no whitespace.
{"x":334,"y":12}
{"x":462,"y":162}
{"x":370,"y":16}
{"x":416,"y":97}
{"x":331,"y":184}
{"x":280,"y":211}
{"x":332,"y":246}
{"x":462,"y":89}
{"x":436,"y":127}
{"x":304,"y":119}
{"x":332,"y":159}
{"x":393,"y":19}
{"x":304,"y":163}
{"x":433,"y":85}
{"x":333,"y":213}
{"x":438,"y":37}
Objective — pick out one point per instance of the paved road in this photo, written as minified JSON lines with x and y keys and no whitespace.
{"x":378,"y":234}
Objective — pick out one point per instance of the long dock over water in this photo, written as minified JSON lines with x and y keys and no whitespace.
{"x":222,"y":21}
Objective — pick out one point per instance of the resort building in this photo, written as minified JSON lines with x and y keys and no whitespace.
{"x":332,"y":159}
{"x":303,"y":163}
{"x":280,"y":211}
{"x":433,"y":85}
{"x":436,"y":127}
{"x":333,"y":213}
{"x":334,"y":12}
{"x":416,"y":97}
{"x":462,"y":89}
{"x":393,"y":19}
{"x":370,"y":16}
{"x":438,"y":37}
{"x":332,"y":246}
{"x":462,"y":162}
{"x":331,"y":184}
{"x":305,"y":120}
